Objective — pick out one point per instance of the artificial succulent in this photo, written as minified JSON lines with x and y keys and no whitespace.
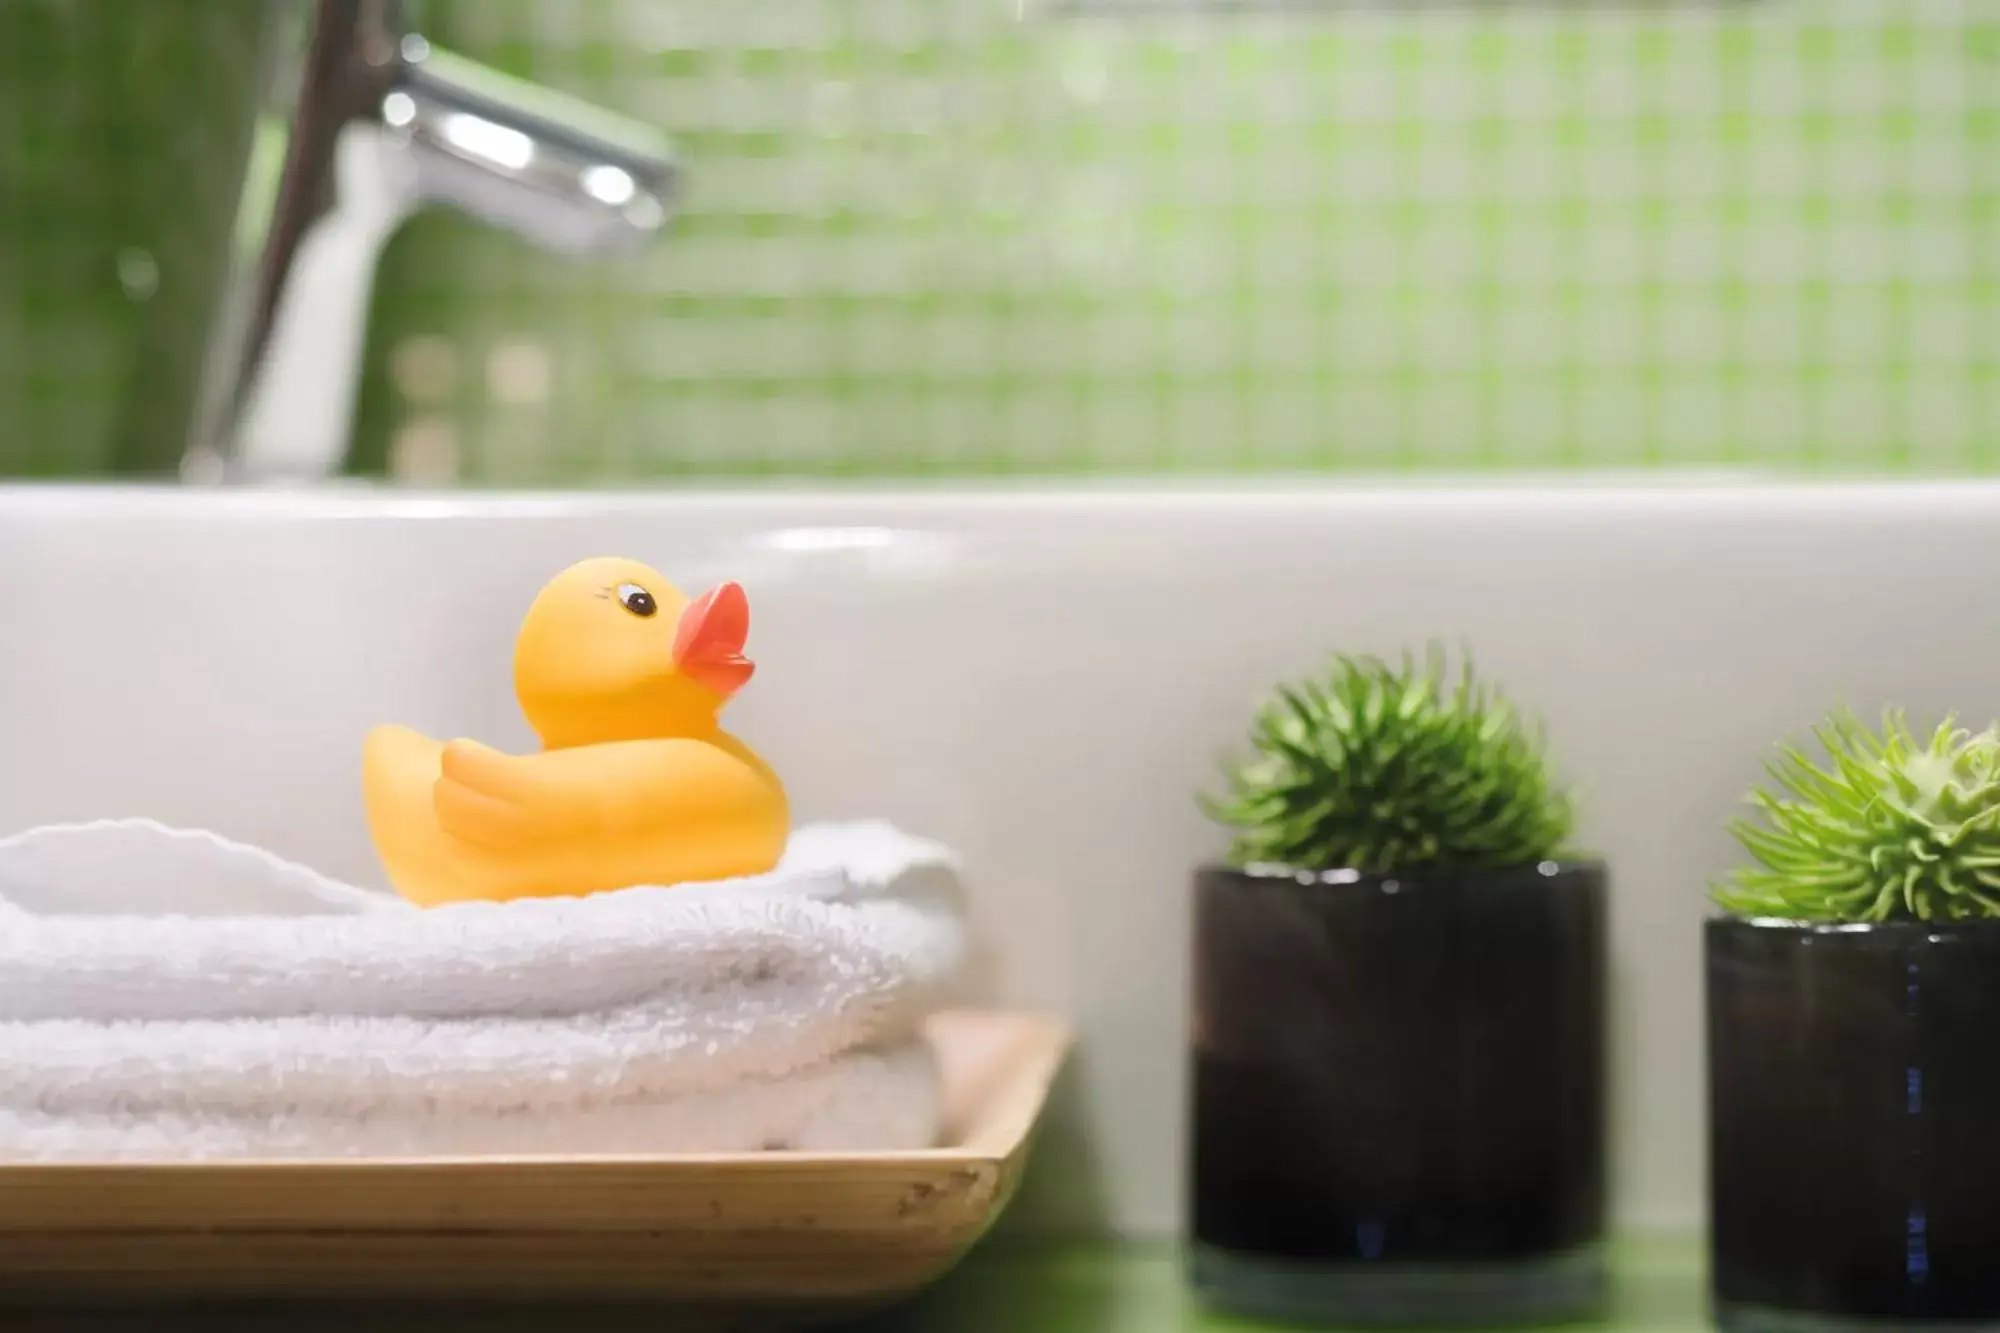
{"x":1377,"y":767}
{"x":1889,"y":826}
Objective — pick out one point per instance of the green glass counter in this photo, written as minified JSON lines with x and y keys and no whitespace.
{"x":1002,"y":1287}
{"x":1658,"y":1288}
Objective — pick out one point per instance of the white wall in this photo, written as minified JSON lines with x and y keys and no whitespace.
{"x":1042,"y":679}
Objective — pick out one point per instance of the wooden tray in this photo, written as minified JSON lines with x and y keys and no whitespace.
{"x":795,"y":1230}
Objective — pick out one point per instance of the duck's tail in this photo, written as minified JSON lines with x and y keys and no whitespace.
{"x":399,"y":773}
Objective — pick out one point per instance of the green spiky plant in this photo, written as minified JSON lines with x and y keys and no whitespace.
{"x":1889,"y":827}
{"x":1376,"y":767}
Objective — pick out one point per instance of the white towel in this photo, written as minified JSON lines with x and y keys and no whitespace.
{"x":169,"y":992}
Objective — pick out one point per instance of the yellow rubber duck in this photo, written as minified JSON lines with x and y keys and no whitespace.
{"x":622,"y":677}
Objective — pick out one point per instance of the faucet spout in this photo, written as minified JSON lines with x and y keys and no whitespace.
{"x":556,"y":171}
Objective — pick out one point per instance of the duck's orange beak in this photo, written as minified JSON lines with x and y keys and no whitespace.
{"x":708,"y":644}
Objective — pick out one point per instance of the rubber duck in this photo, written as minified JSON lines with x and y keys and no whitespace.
{"x":623,"y":678}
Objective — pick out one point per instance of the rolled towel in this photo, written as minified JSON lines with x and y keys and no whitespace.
{"x":174,"y":990}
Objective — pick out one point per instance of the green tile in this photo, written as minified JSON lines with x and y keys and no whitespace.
{"x":1585,"y":237}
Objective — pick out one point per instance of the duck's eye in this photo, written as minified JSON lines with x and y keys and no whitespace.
{"x":636,"y":599}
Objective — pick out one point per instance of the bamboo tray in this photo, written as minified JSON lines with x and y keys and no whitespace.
{"x":778,"y":1231}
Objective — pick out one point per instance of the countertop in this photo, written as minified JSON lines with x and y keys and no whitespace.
{"x":1082,"y":1288}
{"x":1127,"y":1289}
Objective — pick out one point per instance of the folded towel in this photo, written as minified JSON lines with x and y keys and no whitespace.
{"x":868,"y":1100}
{"x":169,"y":990}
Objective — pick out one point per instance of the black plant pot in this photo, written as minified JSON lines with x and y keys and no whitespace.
{"x":1399,"y":1095}
{"x":1854,"y":1105}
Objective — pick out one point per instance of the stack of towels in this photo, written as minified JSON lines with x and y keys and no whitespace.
{"x":170,"y":994}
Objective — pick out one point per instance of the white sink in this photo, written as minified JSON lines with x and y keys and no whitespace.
{"x":1040,"y":678}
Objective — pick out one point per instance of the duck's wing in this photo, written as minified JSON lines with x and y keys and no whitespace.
{"x":501,"y":801}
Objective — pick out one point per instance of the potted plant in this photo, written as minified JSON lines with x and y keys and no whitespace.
{"x":1398,"y":1026}
{"x":1853,"y":1007}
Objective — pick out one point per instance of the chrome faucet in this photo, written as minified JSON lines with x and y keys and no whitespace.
{"x":366,"y":124}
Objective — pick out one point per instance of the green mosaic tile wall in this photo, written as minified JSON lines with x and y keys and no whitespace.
{"x":950,"y":237}
{"x":123,"y":125}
